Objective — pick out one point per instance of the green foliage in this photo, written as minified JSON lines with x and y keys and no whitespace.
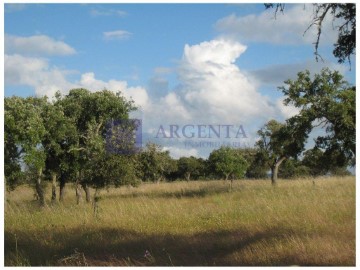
{"x":258,"y":168}
{"x":226,"y":161}
{"x":292,"y":168}
{"x":24,"y":131}
{"x":111,"y":169}
{"x":154,"y":164}
{"x":325,"y":100}
{"x":190,"y":167}
{"x":65,"y":137}
{"x":321,"y":163}
{"x":89,"y":112}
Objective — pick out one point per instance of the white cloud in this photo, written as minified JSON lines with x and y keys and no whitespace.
{"x":138,"y":94}
{"x":46,"y":79}
{"x":158,"y":87}
{"x":38,"y":45}
{"x":286,"y":28}
{"x":177,"y":152}
{"x":107,"y":12}
{"x":211,"y":90}
{"x":118,"y":34}
{"x":286,"y":111}
{"x":35,"y":72}
{"x":214,"y":88}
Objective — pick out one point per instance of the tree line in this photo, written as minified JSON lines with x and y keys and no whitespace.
{"x":66,"y":140}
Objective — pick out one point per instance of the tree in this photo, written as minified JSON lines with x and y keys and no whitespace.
{"x":279,"y":141}
{"x":90,"y":112}
{"x":228,"y":162}
{"x":320,"y":163}
{"x":189,"y":167}
{"x":257,"y":167}
{"x":346,"y":13}
{"x":153,"y":163}
{"x":325,"y":100}
{"x":59,"y":137}
{"x":293,"y":168}
{"x":24,"y":131}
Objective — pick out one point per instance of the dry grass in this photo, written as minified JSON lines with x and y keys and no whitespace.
{"x":195,"y":223}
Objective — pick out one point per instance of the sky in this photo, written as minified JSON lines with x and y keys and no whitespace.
{"x":191,"y":69}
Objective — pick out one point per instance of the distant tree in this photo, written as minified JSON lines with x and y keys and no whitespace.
{"x":190,"y":167}
{"x":257,"y":167}
{"x":228,"y":162}
{"x":320,"y":163}
{"x":153,"y":163}
{"x":314,"y":160}
{"x":346,"y":13}
{"x":171,"y":169}
{"x":279,"y":141}
{"x":293,"y":168}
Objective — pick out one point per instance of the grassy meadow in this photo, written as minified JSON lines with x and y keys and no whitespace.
{"x":188,"y":224}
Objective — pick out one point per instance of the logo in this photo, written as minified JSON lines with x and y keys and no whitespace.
{"x":124,"y":136}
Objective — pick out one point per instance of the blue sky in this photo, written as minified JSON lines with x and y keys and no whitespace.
{"x":181,"y":63}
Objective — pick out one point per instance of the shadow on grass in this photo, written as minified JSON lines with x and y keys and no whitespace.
{"x":117,"y":247}
{"x":182,"y":193}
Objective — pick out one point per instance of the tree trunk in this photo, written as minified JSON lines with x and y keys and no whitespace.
{"x":62,"y":189}
{"x":96,"y":201}
{"x":231,"y":184}
{"x":187,"y":176}
{"x":78,"y":193}
{"x":87,"y":192}
{"x":39,"y":189}
{"x":275,"y":170}
{"x":53,"y":188}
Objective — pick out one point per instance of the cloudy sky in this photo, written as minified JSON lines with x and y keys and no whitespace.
{"x":182,"y":64}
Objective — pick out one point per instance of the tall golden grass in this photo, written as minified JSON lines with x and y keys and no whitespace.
{"x":189,"y":223}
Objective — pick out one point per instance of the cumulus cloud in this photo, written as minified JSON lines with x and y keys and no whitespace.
{"x":38,"y":45}
{"x":35,"y":72}
{"x":286,"y":28}
{"x":47,"y":79}
{"x":214,"y":88}
{"x":138,"y":94}
{"x":116,"y":35}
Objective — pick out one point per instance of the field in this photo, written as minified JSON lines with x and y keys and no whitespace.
{"x":298,"y":222}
